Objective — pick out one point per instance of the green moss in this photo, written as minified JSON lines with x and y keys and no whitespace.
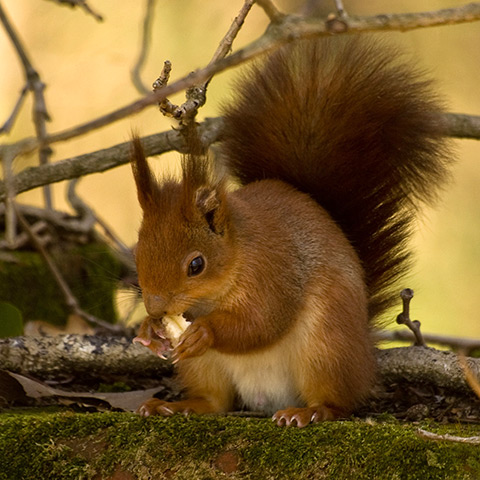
{"x":73,"y":446}
{"x":90,"y":270}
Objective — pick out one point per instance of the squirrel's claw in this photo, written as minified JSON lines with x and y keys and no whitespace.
{"x":195,"y":341}
{"x":155,"y":406}
{"x":301,"y":417}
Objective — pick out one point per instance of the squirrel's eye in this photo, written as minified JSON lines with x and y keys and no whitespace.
{"x":196,"y":266}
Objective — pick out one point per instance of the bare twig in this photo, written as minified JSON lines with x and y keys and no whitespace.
{"x":446,"y":437}
{"x":164,"y":77}
{"x":226,"y":43}
{"x":84,"y":212}
{"x":146,"y":36}
{"x":404,"y":318}
{"x":196,"y":95}
{"x":82,"y":224}
{"x":271,"y":10}
{"x":70,"y":299}
{"x":290,"y":27}
{"x":7,"y":126}
{"x":36,"y":86}
{"x":55,"y":218}
{"x":166,"y":106}
{"x":82,"y":4}
{"x":340,"y":8}
{"x":22,"y":238}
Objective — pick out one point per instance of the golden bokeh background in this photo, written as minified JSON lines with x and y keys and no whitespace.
{"x":86,"y":66}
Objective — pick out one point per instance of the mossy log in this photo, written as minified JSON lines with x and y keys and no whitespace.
{"x":111,"y":446}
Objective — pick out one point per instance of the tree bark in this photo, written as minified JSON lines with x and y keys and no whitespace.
{"x":91,"y":356}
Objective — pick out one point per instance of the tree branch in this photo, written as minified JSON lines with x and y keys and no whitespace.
{"x":106,"y":159}
{"x":290,"y":27}
{"x":425,"y":366}
{"x":66,"y":354}
{"x":82,"y":355}
{"x":456,"y":125}
{"x":459,"y":125}
{"x":36,"y":86}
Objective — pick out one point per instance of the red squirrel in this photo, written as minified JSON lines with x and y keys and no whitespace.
{"x":334,"y":143}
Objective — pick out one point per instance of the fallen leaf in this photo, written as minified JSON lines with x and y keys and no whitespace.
{"x":128,"y":401}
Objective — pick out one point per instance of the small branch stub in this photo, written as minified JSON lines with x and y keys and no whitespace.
{"x":335,"y":25}
{"x":404,"y":318}
{"x":166,"y":107}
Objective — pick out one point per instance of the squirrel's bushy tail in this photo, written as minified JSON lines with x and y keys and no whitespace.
{"x":346,"y":122}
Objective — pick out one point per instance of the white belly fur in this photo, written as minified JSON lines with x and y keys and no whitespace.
{"x":265,"y":380}
{"x":268,"y":380}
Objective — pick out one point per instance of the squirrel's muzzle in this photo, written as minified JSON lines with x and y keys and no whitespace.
{"x":156,"y":305}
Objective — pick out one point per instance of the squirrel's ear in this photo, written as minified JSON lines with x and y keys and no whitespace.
{"x":210,"y":204}
{"x":144,"y":179}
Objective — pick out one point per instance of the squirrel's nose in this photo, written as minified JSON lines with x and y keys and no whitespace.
{"x":155,"y":305}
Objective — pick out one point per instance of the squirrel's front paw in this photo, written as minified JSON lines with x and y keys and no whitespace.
{"x":151,"y":334}
{"x":195,"y":341}
{"x":154,"y":406}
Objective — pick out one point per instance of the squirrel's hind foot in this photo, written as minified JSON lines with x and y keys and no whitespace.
{"x":303,"y":416}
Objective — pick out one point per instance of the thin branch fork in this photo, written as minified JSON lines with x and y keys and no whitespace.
{"x":197,"y":94}
{"x":404,"y":318}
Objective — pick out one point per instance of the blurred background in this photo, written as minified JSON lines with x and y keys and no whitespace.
{"x":86,"y":66}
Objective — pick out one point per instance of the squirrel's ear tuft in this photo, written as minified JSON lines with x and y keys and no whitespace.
{"x":144,"y":179}
{"x":211,"y":206}
{"x":206,"y":200}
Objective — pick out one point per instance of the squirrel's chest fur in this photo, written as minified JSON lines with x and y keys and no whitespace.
{"x":269,"y":379}
{"x":263,"y":381}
